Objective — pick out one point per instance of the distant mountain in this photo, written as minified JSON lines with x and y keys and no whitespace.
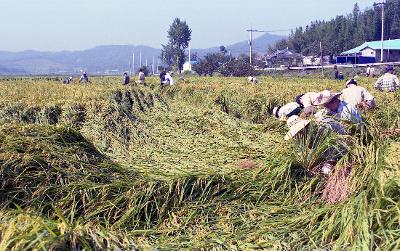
{"x":101,"y":59}
{"x":260,"y":45}
{"x":107,"y":59}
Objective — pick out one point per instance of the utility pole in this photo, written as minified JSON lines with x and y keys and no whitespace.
{"x":152,"y":66}
{"x":382,"y":5}
{"x":322,"y":58}
{"x":251,"y":39}
{"x":133,"y":63}
{"x":140,"y":58}
{"x":251,"y":44}
{"x":190,"y":64}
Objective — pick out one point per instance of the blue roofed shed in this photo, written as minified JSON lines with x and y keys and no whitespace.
{"x":370,"y":52}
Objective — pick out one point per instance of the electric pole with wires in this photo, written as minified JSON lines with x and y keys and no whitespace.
{"x":251,"y":39}
{"x":382,"y":5}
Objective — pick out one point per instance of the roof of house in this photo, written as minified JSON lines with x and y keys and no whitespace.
{"x":375,"y":45}
{"x":285,"y":53}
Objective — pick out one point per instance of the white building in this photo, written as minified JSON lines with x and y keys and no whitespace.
{"x":187,"y":66}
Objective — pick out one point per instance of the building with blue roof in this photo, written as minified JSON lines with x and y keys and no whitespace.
{"x":370,"y":52}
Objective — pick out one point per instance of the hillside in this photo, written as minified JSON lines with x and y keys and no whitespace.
{"x":103,"y":59}
{"x":345,"y":31}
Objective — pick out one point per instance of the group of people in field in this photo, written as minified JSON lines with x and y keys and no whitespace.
{"x":338,"y":113}
{"x":84,"y":78}
{"x":165,"y":78}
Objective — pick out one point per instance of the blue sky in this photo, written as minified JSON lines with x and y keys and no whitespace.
{"x":52,"y":25}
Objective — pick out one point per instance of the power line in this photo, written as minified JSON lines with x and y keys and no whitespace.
{"x":251,"y":38}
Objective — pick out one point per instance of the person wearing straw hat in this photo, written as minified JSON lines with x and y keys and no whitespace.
{"x":357,"y":96}
{"x":388,"y":81}
{"x":311,"y":135}
{"x":336,"y":108}
{"x":286,"y":111}
{"x":296,"y":126}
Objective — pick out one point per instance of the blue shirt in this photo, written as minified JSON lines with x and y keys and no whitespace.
{"x":345,"y":111}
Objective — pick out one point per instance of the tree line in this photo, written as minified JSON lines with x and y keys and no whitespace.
{"x":345,"y":31}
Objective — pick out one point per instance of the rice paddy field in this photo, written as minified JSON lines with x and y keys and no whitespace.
{"x":201,"y":165}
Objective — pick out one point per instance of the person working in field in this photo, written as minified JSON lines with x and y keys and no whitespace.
{"x":252,"y":80}
{"x":286,"y":111}
{"x":388,"y":81}
{"x":141,"y":76}
{"x":169,"y":79}
{"x":357,"y":96}
{"x":336,"y":108}
{"x":370,"y":72}
{"x":68,"y":80}
{"x":162,"y":79}
{"x":314,"y":134}
{"x":84,"y":78}
{"x":306,"y":102}
{"x":127,"y":79}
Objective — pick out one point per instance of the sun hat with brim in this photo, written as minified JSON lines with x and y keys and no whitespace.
{"x":295,"y":124}
{"x":325,"y":97}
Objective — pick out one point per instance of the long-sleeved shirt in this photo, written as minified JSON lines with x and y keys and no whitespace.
{"x":388,"y":82}
{"x":354,"y":95}
{"x":169,"y":79}
{"x":288,"y":110}
{"x":309,"y":98}
{"x":344,"y":112}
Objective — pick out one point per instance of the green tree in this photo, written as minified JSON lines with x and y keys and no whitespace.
{"x":179,"y":36}
{"x":211,"y":63}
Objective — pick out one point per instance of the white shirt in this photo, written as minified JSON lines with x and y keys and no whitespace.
{"x":309,"y":98}
{"x":169,"y":79}
{"x":354,"y":95}
{"x":285,"y":110}
{"x":141,"y":76}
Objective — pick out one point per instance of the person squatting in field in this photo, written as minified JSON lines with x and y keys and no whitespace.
{"x":165,"y":79}
{"x":314,"y":134}
{"x":336,"y":108}
{"x":357,"y":96}
{"x":252,"y":80}
{"x":84,"y":78}
{"x":68,"y":80}
{"x":303,"y":103}
{"x":328,"y":122}
{"x":388,"y":81}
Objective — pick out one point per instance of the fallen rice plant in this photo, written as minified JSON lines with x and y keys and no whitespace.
{"x":200,"y":166}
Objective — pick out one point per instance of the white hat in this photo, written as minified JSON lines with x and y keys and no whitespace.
{"x":325,"y":97}
{"x":295,"y":124}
